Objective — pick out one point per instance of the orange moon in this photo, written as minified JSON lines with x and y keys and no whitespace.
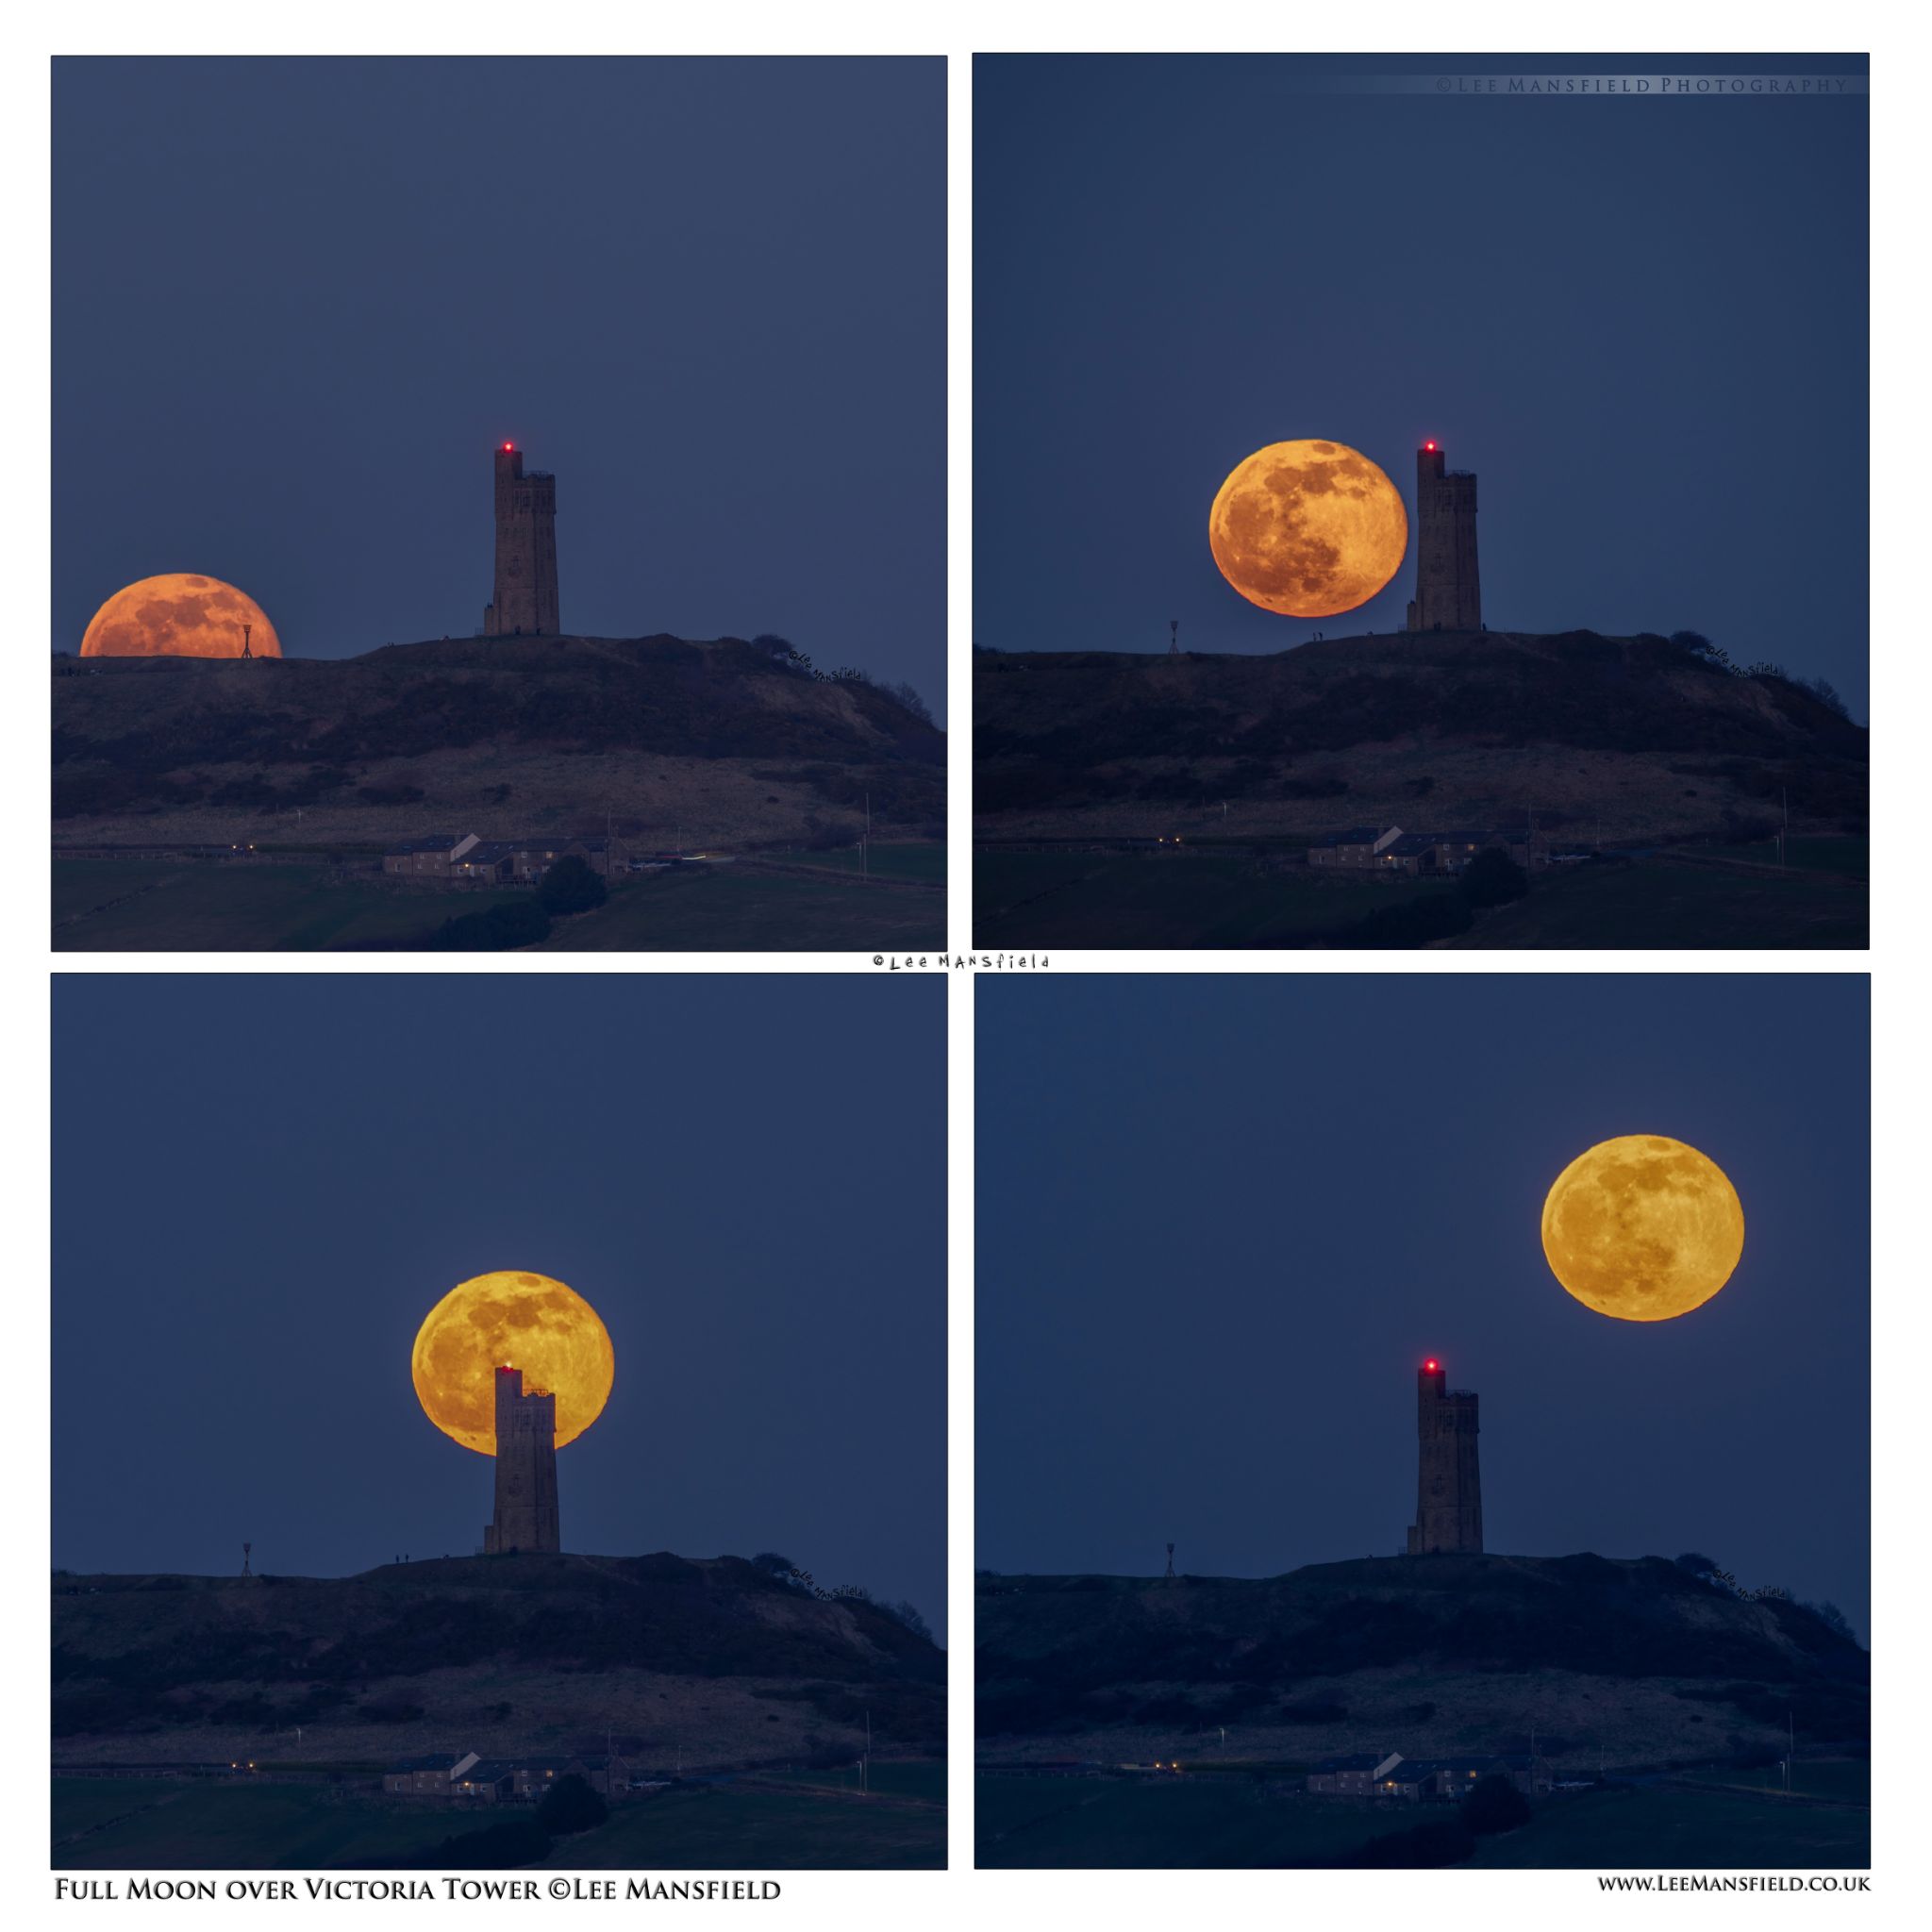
{"x":1307,"y":528}
{"x":514,"y":1320}
{"x":1642,"y":1228}
{"x":179,"y":616}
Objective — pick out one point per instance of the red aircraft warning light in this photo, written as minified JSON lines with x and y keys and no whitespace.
{"x":1427,"y":445}
{"x":1432,"y":1364}
{"x":507,"y":447}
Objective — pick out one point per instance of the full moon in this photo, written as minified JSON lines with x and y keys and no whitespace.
{"x":179,"y":616}
{"x":1308,"y":530}
{"x":1643,"y":1227}
{"x":517,"y":1321}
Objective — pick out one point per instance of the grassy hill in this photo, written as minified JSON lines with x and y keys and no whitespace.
{"x":674,"y":742}
{"x":1622,"y":739}
{"x":1633,"y":1661}
{"x":709,"y":1660}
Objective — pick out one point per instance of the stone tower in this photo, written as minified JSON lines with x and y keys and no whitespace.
{"x":1449,"y":1489}
{"x":524,"y":604}
{"x":1447,"y":593}
{"x":525,"y":1469}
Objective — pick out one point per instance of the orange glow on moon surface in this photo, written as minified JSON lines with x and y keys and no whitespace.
{"x":1308,"y":528}
{"x":520,"y":1320}
{"x":179,"y":616}
{"x":1642,"y":1228}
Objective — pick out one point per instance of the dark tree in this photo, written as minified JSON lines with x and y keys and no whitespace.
{"x":910,"y":698}
{"x":1693,"y":640}
{"x":570,"y":886}
{"x":1834,"y":1619}
{"x":1699,"y":1564}
{"x":1494,"y":1804}
{"x":570,"y":1804}
{"x":1494,"y":879}
{"x":906,"y":1615}
{"x":1829,"y":698}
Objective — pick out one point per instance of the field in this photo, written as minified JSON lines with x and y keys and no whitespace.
{"x":1650,"y":905}
{"x":1195,"y":1823}
{"x":924,"y":863}
{"x":161,"y":1825}
{"x":149,"y":905}
{"x":167,"y":1825}
{"x":725,"y":910}
{"x":1041,"y":900}
{"x":764,"y":1830}
{"x":135,"y":904}
{"x":1038,"y":900}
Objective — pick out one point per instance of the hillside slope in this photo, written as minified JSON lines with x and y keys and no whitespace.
{"x":1626,"y":738}
{"x":501,"y":1655}
{"x":498,"y":736}
{"x":1424,"y":1654}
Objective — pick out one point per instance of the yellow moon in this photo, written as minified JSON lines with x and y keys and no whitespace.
{"x":1308,"y":528}
{"x":1643,"y":1227}
{"x":180,"y":616}
{"x":517,"y":1321}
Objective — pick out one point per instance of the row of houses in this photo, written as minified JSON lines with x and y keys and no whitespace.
{"x":505,"y":1780}
{"x":1390,"y":849}
{"x":468,"y":858}
{"x":1414,"y":1780}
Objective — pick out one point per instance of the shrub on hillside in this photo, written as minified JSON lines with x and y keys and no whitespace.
{"x":1494,"y":1804}
{"x":571,"y":886}
{"x":523,"y":922}
{"x":1494,"y":879}
{"x":570,"y":1804}
{"x":1414,"y":923}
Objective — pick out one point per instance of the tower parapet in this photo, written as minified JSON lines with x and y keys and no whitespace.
{"x":525,"y":1469}
{"x":1448,"y":593}
{"x":1449,"y":1495}
{"x":523,"y":603}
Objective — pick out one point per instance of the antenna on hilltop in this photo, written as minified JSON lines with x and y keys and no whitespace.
{"x":1174,"y":637}
{"x":246,"y":1550}
{"x":1170,"y":1563}
{"x":247,"y":631}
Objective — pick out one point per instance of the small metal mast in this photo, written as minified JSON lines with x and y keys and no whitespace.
{"x":247,"y":1550}
{"x":247,"y":631}
{"x":1169,"y":1564}
{"x":1174,"y":637}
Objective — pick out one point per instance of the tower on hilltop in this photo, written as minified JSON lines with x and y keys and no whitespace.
{"x":1447,"y":593}
{"x":525,"y":602}
{"x":525,"y":1469}
{"x":1449,"y":1489}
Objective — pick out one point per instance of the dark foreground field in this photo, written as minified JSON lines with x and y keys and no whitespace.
{"x":770,"y":1824}
{"x":141,"y":905}
{"x":1037,"y":900}
{"x":1204,"y":1822}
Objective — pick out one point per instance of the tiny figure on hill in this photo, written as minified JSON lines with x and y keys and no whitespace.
{"x":569,"y":1805}
{"x":571,"y":886}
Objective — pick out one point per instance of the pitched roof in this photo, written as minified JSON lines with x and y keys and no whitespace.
{"x":434,"y":1760}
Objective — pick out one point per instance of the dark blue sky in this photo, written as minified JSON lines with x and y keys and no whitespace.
{"x":262,"y":1184}
{"x":297,"y":303}
{"x":1222,"y":1219}
{"x":1641,"y":322}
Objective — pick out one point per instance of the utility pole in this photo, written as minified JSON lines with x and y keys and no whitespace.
{"x":1174,"y":637}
